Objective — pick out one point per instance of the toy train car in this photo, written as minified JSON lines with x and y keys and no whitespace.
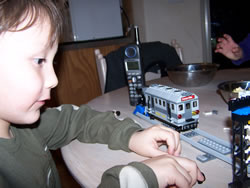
{"x":175,"y":107}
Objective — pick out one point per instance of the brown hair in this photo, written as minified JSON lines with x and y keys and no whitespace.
{"x":14,"y":12}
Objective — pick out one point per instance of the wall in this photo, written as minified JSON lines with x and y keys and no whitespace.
{"x":164,"y":20}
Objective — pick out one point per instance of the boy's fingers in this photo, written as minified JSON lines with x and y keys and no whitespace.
{"x":193,"y":170}
{"x":173,"y":140}
{"x":201,"y":178}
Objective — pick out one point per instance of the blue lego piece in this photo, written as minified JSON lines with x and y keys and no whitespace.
{"x":242,"y":111}
{"x":140,"y":109}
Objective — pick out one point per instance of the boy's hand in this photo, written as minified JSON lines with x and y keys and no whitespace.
{"x":147,"y":142}
{"x":175,"y":171}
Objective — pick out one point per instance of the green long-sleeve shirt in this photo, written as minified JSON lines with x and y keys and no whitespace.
{"x":25,"y":160}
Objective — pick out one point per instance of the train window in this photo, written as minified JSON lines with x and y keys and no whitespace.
{"x":172,"y":106}
{"x":155,"y":100}
{"x":164,"y":103}
{"x":195,"y":104}
{"x":159,"y":101}
{"x":180,"y":107}
{"x":187,"y":105}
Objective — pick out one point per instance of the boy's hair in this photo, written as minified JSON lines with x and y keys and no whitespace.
{"x":14,"y":12}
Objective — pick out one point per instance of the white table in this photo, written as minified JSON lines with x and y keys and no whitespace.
{"x":87,"y":162}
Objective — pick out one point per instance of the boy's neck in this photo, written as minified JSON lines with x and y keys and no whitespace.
{"x":5,"y":129}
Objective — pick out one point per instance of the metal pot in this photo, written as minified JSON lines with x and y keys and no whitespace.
{"x":192,"y":75}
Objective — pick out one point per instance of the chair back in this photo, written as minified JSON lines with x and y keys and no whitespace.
{"x":157,"y":57}
{"x":101,"y":68}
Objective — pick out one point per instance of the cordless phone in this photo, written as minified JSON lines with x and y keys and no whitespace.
{"x":134,"y":73}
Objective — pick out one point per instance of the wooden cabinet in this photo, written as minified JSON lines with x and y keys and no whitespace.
{"x":77,"y":74}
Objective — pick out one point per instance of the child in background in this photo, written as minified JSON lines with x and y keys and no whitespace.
{"x":29,"y":36}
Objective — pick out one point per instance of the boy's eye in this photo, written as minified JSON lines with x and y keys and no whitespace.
{"x":39,"y":61}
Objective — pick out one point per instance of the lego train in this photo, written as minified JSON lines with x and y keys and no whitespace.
{"x":174,"y":107}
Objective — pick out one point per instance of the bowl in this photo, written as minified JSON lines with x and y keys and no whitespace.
{"x":192,"y":75}
{"x":230,"y":89}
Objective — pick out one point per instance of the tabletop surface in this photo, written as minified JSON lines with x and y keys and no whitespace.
{"x":87,"y":162}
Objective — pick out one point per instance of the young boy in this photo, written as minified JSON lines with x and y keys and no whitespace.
{"x":29,"y":36}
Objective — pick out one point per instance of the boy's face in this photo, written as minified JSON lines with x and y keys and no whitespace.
{"x":26,"y":73}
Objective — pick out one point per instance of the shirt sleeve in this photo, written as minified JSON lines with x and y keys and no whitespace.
{"x":59,"y":126}
{"x":130,"y":176}
{"x":135,"y":174}
{"x":245,"y":46}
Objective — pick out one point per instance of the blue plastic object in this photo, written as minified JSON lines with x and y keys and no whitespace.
{"x":242,"y":111}
{"x":140,"y":109}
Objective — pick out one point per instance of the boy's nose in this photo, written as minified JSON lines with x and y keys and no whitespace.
{"x":51,"y":80}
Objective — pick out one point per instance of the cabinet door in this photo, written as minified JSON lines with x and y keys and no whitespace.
{"x":77,"y":74}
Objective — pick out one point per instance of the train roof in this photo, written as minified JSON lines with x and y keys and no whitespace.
{"x":172,"y":94}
